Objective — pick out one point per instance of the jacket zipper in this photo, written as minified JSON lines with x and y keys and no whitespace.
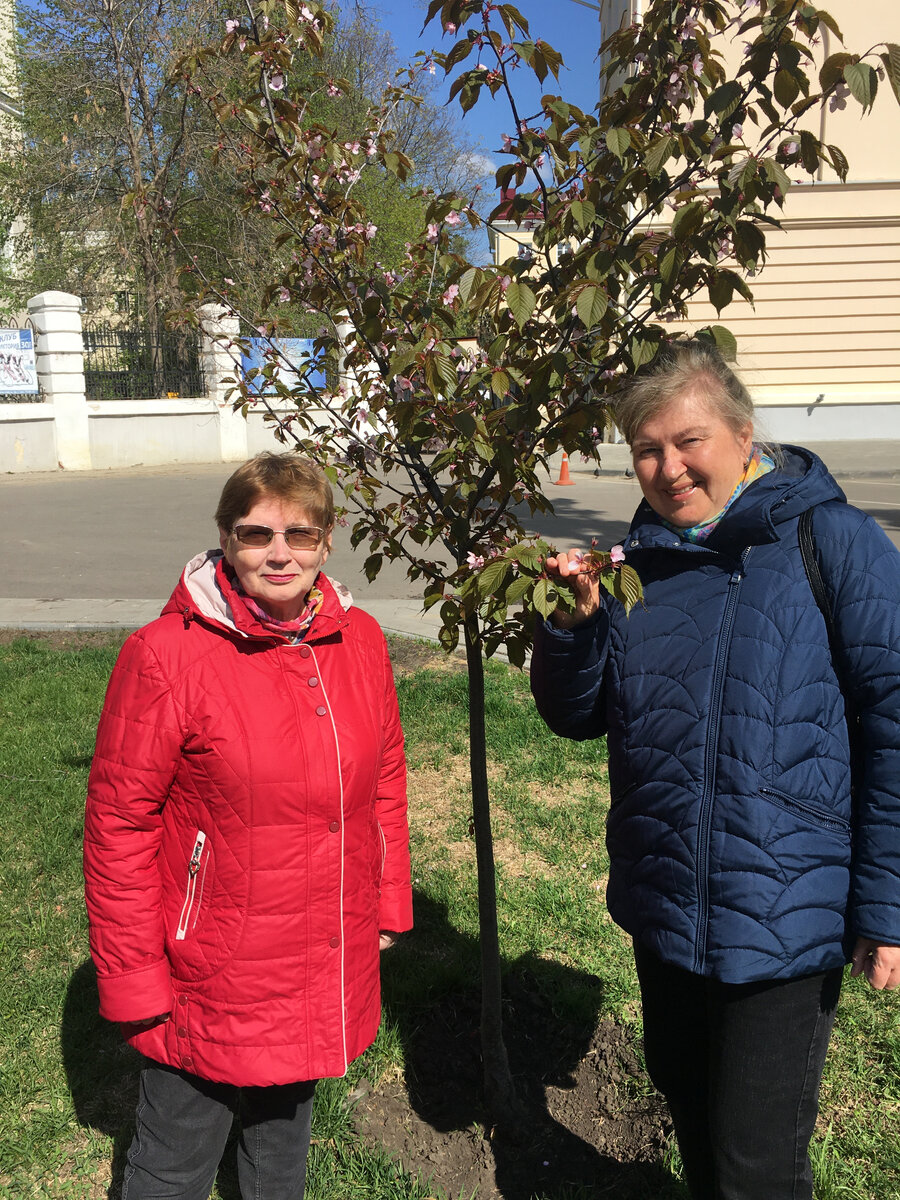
{"x":190,"y":895}
{"x":711,"y":755}
{"x":826,"y":820}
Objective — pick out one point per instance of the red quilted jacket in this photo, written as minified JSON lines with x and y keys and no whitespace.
{"x":246,"y":837}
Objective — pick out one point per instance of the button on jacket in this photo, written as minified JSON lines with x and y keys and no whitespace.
{"x":246,"y":836}
{"x":736,"y":850}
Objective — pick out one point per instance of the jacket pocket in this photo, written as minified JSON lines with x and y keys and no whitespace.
{"x":193,"y":893}
{"x":811,"y":812}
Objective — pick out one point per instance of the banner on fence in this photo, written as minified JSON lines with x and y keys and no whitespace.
{"x":18,"y":372}
{"x":293,"y":357}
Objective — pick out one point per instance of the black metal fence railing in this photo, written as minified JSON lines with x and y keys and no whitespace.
{"x":11,"y":369}
{"x":141,"y":364}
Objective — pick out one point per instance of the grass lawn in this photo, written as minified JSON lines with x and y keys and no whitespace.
{"x":67,"y":1087}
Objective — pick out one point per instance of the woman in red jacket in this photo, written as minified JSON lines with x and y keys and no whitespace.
{"x":246,"y":844}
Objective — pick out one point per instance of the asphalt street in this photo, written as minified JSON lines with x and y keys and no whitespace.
{"x":105,"y":548}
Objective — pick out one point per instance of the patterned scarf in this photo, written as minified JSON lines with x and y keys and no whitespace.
{"x":760,"y":464}
{"x":294,"y":631}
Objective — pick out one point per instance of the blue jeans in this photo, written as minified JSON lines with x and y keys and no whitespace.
{"x":183,"y":1123}
{"x":740,"y":1067}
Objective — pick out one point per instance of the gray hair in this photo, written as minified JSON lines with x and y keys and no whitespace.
{"x":679,"y":365}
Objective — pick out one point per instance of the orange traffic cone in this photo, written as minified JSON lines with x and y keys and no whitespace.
{"x":565,"y":480}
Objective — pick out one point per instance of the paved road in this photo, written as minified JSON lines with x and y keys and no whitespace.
{"x":105,"y":548}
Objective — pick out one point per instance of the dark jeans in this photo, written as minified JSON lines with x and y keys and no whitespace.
{"x":740,"y":1067}
{"x":183,"y":1123}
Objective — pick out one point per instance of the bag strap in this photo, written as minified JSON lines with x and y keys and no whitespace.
{"x":817,"y":586}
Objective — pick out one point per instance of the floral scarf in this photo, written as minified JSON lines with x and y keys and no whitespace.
{"x":294,"y":631}
{"x":760,"y":464}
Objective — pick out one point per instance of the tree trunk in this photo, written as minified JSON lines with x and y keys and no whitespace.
{"x":499,"y":1090}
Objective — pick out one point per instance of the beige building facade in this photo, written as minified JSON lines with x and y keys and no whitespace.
{"x":820,"y":348}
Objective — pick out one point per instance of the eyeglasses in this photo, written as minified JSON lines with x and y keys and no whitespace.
{"x":298,"y":537}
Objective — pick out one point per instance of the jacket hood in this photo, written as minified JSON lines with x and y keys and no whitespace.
{"x":203,"y":594}
{"x":799,"y":483}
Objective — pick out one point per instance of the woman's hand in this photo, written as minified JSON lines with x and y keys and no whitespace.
{"x":386,"y":939}
{"x":879,"y":963}
{"x":148,"y":1021}
{"x":567,"y":567}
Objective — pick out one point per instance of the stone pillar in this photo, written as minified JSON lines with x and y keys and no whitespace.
{"x":222,"y":360}
{"x":59,"y":354}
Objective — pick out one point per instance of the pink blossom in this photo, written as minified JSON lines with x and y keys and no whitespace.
{"x":453,"y":218}
{"x":617,"y":554}
{"x":475,"y":561}
{"x":307,"y":13}
{"x":433,"y":232}
{"x":737,"y":131}
{"x":507,"y":142}
{"x":231,"y":26}
{"x":276,"y":82}
{"x":449,"y":27}
{"x":838,"y":99}
{"x":333,"y":89}
{"x":283,"y":295}
{"x":451,"y":293}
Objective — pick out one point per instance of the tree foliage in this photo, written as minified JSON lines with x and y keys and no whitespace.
{"x":665,"y":193}
{"x":120,"y":178}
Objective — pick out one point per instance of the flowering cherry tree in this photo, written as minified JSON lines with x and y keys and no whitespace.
{"x":438,"y":443}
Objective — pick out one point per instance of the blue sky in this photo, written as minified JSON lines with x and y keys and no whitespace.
{"x":569,"y":27}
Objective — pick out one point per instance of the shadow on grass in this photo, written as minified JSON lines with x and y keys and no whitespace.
{"x":558,"y":1051}
{"x":604,"y":1136}
{"x":103,"y":1073}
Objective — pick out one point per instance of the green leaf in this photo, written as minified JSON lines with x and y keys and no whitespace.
{"x":749,"y":243}
{"x":618,"y":141}
{"x":777,"y":175}
{"x":499,"y":384}
{"x":545,"y":597}
{"x":862,"y":82}
{"x":627,"y":587}
{"x":688,"y":219}
{"x":839,"y":161}
{"x":658,"y":154}
{"x":518,"y":588}
{"x":520,"y":300}
{"x":832,"y":69}
{"x":809,"y":151}
{"x":721,"y":290}
{"x":670,"y":264}
{"x":726,"y":342}
{"x":891,"y":62}
{"x":642,"y":350}
{"x":584,"y":214}
{"x":372,"y":566}
{"x":492,"y":576}
{"x":724,"y":100}
{"x":591,"y":305}
{"x":446,"y":369}
{"x":467,"y":281}
{"x":786,"y":88}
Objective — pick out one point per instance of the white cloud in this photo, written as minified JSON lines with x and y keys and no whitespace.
{"x":480,"y":165}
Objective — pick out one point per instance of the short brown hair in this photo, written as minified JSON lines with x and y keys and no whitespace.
{"x":288,"y":477}
{"x":678,"y":366}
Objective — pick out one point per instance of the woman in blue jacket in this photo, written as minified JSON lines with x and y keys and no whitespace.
{"x":741,"y":862}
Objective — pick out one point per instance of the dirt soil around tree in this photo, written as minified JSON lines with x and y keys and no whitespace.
{"x":595,"y":1125}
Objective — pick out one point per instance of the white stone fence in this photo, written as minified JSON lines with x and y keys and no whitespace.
{"x":63,"y":429}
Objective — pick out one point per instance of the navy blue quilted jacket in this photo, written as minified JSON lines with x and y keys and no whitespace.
{"x":735,"y":848}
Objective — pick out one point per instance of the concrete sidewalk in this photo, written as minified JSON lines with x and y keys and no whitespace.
{"x":67,"y":536}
